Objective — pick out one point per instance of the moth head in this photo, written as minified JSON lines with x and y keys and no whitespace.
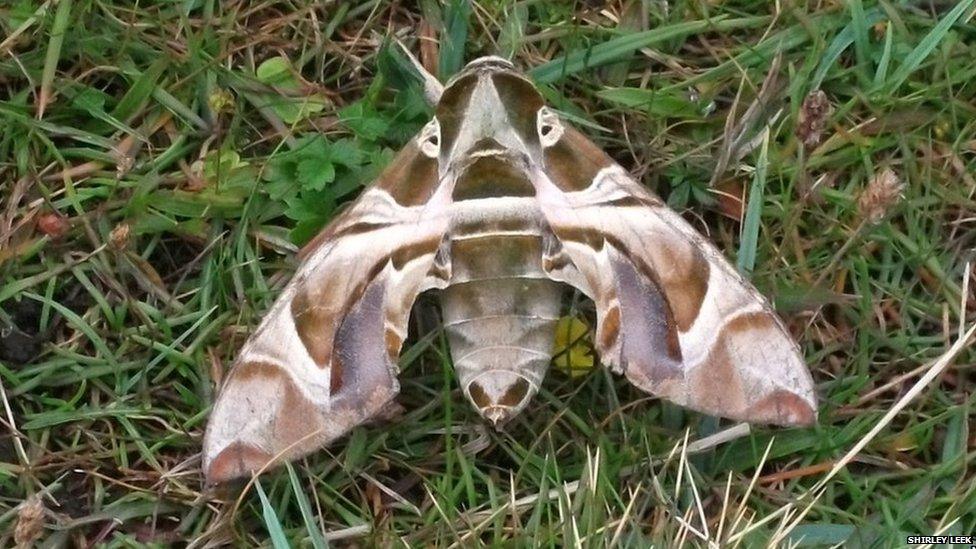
{"x":490,"y":109}
{"x":499,"y":395}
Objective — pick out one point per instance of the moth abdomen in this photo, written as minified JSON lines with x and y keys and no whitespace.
{"x":500,"y":315}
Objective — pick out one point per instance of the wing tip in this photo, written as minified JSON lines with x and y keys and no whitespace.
{"x":238,"y":459}
{"x":784,"y":408}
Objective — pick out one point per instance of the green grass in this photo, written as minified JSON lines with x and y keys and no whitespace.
{"x":159,"y":162}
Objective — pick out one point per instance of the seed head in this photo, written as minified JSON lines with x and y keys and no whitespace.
{"x":30,"y":522}
{"x":813,"y":118}
{"x":882,"y":193}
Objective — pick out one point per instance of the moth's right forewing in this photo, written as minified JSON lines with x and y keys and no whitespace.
{"x":323,"y":360}
{"x":673,"y":315}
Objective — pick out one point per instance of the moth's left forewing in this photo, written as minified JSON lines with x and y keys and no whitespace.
{"x":323,"y":360}
{"x":673,"y":314}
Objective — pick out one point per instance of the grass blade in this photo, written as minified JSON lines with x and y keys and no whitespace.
{"x":318,"y":542}
{"x":278,"y":538}
{"x":840,"y":43}
{"x":53,"y":55}
{"x":883,"y":64}
{"x":142,"y":88}
{"x":861,"y":44}
{"x":749,"y":237}
{"x":453,"y":37}
{"x":925,"y":47}
{"x":624,"y":46}
{"x":79,"y":324}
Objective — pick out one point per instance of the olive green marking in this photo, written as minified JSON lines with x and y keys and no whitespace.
{"x":492,"y":176}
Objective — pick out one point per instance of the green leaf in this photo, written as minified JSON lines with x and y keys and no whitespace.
{"x":956,"y":435}
{"x":281,"y":188}
{"x":396,"y":69}
{"x":315,"y":172}
{"x":312,"y":145}
{"x":79,"y":324}
{"x":347,"y":152}
{"x":218,"y":164}
{"x":292,"y":110}
{"x":862,"y":44}
{"x":141,"y":90}
{"x":364,"y":121}
{"x":308,"y":166}
{"x":840,"y":43}
{"x":20,"y":13}
{"x":679,"y":196}
{"x":306,"y":230}
{"x":276,"y":72}
{"x":653,"y":102}
{"x":62,"y":18}
{"x":91,"y":101}
{"x":226,"y":176}
{"x":311,"y":205}
{"x":312,"y":210}
{"x":512,"y":34}
{"x":187,"y":204}
{"x":882,"y":72}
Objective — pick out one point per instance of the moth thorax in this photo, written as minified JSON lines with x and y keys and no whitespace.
{"x":500,"y":315}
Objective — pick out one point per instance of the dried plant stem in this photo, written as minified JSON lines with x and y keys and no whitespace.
{"x":855,"y":237}
{"x":14,"y":433}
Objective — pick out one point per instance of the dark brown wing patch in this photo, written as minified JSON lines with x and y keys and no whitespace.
{"x":452,"y":107}
{"x":411,"y":178}
{"x":522,"y":103}
{"x":685,"y":281}
{"x":297,"y":417}
{"x":492,"y":176}
{"x":311,"y":323}
{"x":649,"y":335}
{"x":573,"y":162}
{"x":718,"y":387}
{"x":362,"y":340}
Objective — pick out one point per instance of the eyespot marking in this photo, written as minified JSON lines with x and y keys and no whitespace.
{"x":549,"y":127}
{"x":430,"y":139}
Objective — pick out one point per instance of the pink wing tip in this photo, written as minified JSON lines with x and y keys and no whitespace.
{"x":236,"y":460}
{"x":784,"y":408}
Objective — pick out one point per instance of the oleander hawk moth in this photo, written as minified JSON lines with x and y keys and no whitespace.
{"x":499,"y":205}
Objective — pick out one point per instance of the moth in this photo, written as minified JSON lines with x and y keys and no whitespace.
{"x":499,"y":205}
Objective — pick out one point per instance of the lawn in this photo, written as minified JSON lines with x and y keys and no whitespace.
{"x":161,"y":162}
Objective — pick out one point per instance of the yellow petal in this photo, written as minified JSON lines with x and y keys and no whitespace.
{"x":572,"y":348}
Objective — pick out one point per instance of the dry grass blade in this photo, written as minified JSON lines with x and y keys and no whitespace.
{"x":932,"y":372}
{"x":738,"y":135}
